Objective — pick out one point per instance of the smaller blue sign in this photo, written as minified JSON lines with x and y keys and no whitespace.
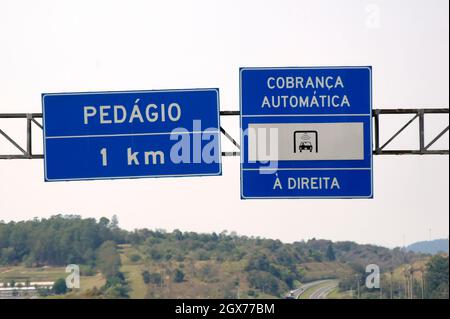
{"x":306,"y":132}
{"x":107,"y":135}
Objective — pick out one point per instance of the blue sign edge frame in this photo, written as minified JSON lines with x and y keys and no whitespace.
{"x":46,"y":179}
{"x":241,"y":69}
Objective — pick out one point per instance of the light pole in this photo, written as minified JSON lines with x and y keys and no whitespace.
{"x":263,"y":288}
{"x":381,"y":290}
{"x":357,"y":285}
{"x":392,"y":291}
{"x":421,"y":279}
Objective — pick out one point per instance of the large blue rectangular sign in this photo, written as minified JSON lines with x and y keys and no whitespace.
{"x":306,"y":132}
{"x":105,"y":135}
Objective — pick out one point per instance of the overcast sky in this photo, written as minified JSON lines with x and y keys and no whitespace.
{"x":67,"y":46}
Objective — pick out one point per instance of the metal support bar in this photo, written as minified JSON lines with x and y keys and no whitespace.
{"x":421,"y":131}
{"x":27,"y":153}
{"x":424,"y":148}
{"x":229,"y":137}
{"x":231,"y":153}
{"x":29,"y":137}
{"x":399,"y":131}
{"x":411,"y":111}
{"x":376,"y":116}
{"x":225,"y":113}
{"x":419,"y":113}
{"x":19,"y":115}
{"x":13,"y":142}
{"x":230,"y":113}
{"x":18,"y":156}
{"x":413,"y":152}
{"x":436,"y":138}
{"x":37,"y":123}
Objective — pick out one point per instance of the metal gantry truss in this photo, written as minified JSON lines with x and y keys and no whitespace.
{"x":26,"y":152}
{"x":417,"y":114}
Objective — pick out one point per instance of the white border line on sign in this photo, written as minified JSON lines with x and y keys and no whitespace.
{"x":309,"y":169}
{"x":304,"y":68}
{"x":133,"y":134}
{"x":302,"y":115}
{"x":218,"y":173}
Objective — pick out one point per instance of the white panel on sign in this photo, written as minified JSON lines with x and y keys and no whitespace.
{"x":305,"y":141}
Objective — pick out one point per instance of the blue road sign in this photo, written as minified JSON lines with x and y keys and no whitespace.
{"x":106,"y":135}
{"x":306,"y":132}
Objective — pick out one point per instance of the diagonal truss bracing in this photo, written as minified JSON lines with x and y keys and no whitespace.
{"x":380,"y":147}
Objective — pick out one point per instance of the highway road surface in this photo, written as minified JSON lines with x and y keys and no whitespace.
{"x":320,"y":289}
{"x":323,"y":290}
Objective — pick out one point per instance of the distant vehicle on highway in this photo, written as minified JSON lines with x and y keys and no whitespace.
{"x":290,"y":295}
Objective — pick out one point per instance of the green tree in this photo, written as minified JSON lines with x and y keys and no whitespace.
{"x":114,"y":224}
{"x":265,"y":282}
{"x":108,"y":259}
{"x":104,"y":221}
{"x":60,"y":287}
{"x":58,"y":240}
{"x":330,"y":253}
{"x":146,"y":277}
{"x":135,"y":258}
{"x":156,"y":278}
{"x":178,"y":276}
{"x":437,"y":277}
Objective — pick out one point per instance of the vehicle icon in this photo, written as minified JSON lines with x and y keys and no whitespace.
{"x":307,"y":140}
{"x":305,"y":146}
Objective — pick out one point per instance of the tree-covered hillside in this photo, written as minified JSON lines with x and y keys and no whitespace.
{"x":59,"y":240}
{"x":429,"y":247}
{"x":224,"y":260}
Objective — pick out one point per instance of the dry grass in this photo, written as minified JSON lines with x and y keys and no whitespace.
{"x":325,"y":270}
{"x":21,"y":273}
